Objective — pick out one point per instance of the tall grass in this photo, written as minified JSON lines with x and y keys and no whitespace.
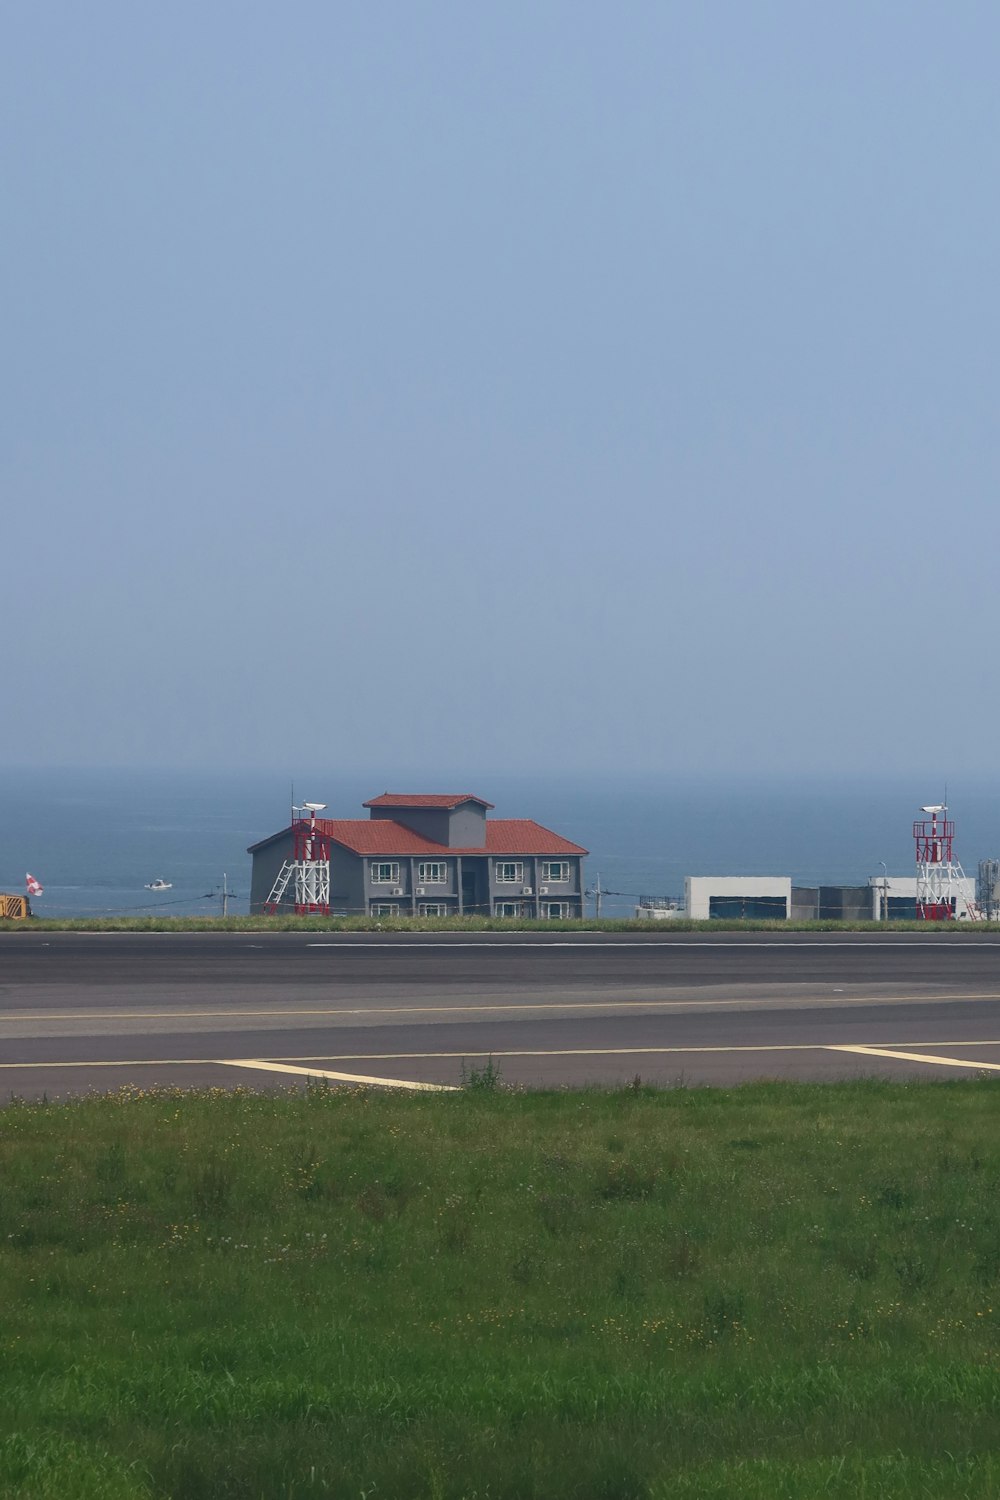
{"x":320,"y":923}
{"x":775,"y":1290}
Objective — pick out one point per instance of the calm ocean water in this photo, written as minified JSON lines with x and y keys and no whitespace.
{"x":95,"y":838}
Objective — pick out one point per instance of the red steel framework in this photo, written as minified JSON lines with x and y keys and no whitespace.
{"x":943,"y":892}
{"x":308,"y":870}
{"x":311,"y":852}
{"x":937,"y":875}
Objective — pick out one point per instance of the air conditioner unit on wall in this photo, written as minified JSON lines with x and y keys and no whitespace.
{"x":543,"y":890}
{"x":421,"y":891}
{"x":397,"y":890}
{"x":526,"y":890}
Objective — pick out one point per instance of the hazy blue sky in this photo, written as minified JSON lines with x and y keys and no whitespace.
{"x":515,"y":384}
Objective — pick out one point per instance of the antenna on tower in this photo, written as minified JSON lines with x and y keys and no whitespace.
{"x":308,"y":870}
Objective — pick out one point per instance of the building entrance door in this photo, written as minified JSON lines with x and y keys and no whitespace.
{"x":469,"y":889}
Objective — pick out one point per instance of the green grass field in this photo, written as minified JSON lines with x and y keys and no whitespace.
{"x":289,"y":923}
{"x":774,"y":1291}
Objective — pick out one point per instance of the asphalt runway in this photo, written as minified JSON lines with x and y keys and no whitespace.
{"x":98,"y":1011}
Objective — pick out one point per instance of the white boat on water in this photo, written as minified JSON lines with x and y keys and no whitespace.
{"x":160,"y":885}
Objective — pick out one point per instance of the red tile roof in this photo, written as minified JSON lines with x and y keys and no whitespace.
{"x":376,"y":836}
{"x":525,"y":836}
{"x":421,"y":799}
{"x":503,"y":836}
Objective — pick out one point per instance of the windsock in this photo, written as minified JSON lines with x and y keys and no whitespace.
{"x":34,"y":889}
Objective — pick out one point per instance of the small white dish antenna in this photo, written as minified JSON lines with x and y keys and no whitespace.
{"x":936,"y":808}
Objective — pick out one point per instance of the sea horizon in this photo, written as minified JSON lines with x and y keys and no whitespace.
{"x":96,"y":837}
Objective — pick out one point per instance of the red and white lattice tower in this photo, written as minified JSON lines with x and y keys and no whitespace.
{"x":941,"y":884}
{"x":308,"y":870}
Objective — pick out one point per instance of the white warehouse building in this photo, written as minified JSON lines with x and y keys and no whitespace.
{"x":773,"y":897}
{"x":738,"y":897}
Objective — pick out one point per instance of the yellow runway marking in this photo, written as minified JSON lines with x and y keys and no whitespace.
{"x":933,"y":1043}
{"x":130,"y":1062}
{"x":626,"y":1051}
{"x":471,"y":1006}
{"x":923,"y":1057}
{"x":185,"y":1062}
{"x":553,"y":1052}
{"x":294,"y":1064}
{"x":386,"y":1083}
{"x":286,"y":1062}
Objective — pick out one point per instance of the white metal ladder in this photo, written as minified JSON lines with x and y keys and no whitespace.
{"x":280,"y":886}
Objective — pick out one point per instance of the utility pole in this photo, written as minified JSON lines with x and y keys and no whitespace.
{"x":597,"y":897}
{"x":224,"y":894}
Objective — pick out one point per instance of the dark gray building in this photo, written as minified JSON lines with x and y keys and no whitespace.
{"x":435,"y":856}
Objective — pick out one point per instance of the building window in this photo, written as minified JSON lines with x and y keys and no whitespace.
{"x":432,"y":909}
{"x":432,"y":872}
{"x":554,"y":871}
{"x":555,"y":909}
{"x":385,"y":909}
{"x":507,"y":909}
{"x":509,"y":872}
{"x":384,"y":873}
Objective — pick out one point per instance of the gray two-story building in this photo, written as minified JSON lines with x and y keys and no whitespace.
{"x":434,"y":856}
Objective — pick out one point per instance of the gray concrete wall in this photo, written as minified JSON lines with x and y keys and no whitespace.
{"x":429,"y":822}
{"x":805,"y":903}
{"x":846,"y":903}
{"x":488,"y":887}
{"x":411,"y":882}
{"x":467,"y":827}
{"x":568,"y":888}
{"x":347,"y":881}
{"x":570,"y":891}
{"x":376,"y":890}
{"x":346,"y":877}
{"x":353,"y":890}
{"x":436,"y":888}
{"x":264,"y":871}
{"x":459,"y":828}
{"x":833,"y":903}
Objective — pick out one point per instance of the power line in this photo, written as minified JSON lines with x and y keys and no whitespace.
{"x":120,"y":911}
